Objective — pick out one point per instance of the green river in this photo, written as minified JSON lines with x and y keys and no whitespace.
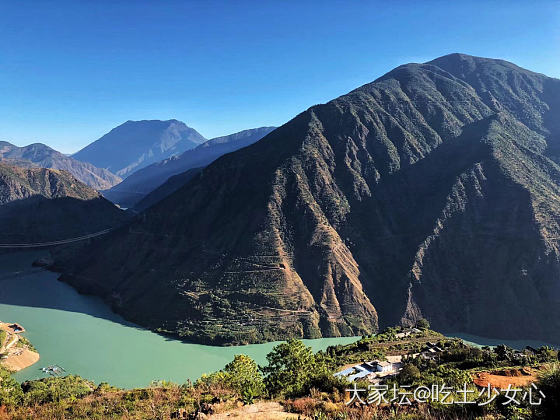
{"x":82,"y":334}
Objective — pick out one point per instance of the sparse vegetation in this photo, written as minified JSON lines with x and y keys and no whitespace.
{"x":301,"y":381}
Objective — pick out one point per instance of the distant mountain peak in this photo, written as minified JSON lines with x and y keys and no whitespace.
{"x":431,"y":192}
{"x":147,"y":180}
{"x":136,"y":144}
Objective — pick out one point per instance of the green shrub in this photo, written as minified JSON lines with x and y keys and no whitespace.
{"x":56,"y":389}
{"x":291,"y":366}
{"x":423,"y":324}
{"x":243,"y":376}
{"x":11,"y":393}
{"x":408,"y":375}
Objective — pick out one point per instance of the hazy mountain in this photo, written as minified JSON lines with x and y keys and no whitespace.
{"x":432,"y":192}
{"x":136,"y":144}
{"x":39,"y":205}
{"x":134,"y":188}
{"x":167,"y":188}
{"x":40,"y":155}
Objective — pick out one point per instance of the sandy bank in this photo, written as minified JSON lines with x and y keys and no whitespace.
{"x":17,"y":355}
{"x":20,"y":359}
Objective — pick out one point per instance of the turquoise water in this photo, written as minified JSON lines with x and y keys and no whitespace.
{"x":484,"y":341}
{"x":84,"y":336}
{"x":81,"y":334}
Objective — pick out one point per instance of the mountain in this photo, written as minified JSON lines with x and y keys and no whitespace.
{"x":42,"y":205}
{"x":432,"y":192}
{"x":167,"y":188}
{"x":40,"y":155}
{"x":134,"y":188}
{"x":136,"y":144}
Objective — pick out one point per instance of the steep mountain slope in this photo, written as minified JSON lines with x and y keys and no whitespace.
{"x":416,"y":195}
{"x":42,"y":156}
{"x":491,"y":262}
{"x":39,"y":205}
{"x":138,"y":185}
{"x":167,"y":188}
{"x":136,"y":144}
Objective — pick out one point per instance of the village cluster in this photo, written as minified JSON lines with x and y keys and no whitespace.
{"x":377,"y":371}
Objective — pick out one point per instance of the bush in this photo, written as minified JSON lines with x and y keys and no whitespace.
{"x":291,"y":366}
{"x":56,"y":389}
{"x":245,"y":378}
{"x":240,"y":377}
{"x":423,"y":324}
{"x":408,"y":374}
{"x":11,"y":393}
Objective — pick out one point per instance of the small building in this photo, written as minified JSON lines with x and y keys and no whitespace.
{"x":367,"y":369}
{"x":407,"y":333}
{"x":345,"y":372}
{"x":384,"y":366}
{"x":16,"y":328}
{"x":12,"y":328}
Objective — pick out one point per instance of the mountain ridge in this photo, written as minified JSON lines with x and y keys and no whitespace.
{"x":41,"y":205}
{"x":352,"y":215}
{"x":136,"y":144}
{"x":146,"y":180}
{"x":41,"y":155}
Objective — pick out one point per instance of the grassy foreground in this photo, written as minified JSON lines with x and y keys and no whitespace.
{"x":303,"y":383}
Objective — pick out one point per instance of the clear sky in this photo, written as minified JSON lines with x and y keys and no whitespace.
{"x":72,"y":70}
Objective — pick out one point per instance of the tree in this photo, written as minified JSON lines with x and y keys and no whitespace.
{"x":423,"y":324}
{"x":10,"y":389}
{"x":408,"y":374}
{"x":244,"y":376}
{"x":291,"y":366}
{"x":547,"y":354}
{"x":503,"y":352}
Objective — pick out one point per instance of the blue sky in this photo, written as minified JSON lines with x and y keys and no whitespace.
{"x":71,"y":71}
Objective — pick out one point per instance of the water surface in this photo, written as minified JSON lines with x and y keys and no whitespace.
{"x":81,"y":333}
{"x":478,"y":341}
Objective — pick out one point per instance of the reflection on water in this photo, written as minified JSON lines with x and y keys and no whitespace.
{"x":81,"y":334}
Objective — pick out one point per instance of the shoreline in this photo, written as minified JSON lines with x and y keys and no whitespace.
{"x":16,"y":354}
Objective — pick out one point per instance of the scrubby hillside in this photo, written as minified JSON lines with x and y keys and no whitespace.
{"x":432,"y":192}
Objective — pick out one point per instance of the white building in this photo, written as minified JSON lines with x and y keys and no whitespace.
{"x":384,"y":366}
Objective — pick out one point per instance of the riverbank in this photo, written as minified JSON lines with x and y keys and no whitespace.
{"x":17,"y":353}
{"x":82,"y":334}
{"x":300,"y":384}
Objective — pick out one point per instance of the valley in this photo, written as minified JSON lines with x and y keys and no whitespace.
{"x":81,"y":334}
{"x":279,"y":210}
{"x":430,"y":192}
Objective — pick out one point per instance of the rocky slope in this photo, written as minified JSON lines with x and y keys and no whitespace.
{"x":41,"y":205}
{"x":433,"y":191}
{"x":135,"y":187}
{"x":136,"y":144}
{"x":42,"y":156}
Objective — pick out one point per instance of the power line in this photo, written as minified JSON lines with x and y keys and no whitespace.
{"x":59,"y":242}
